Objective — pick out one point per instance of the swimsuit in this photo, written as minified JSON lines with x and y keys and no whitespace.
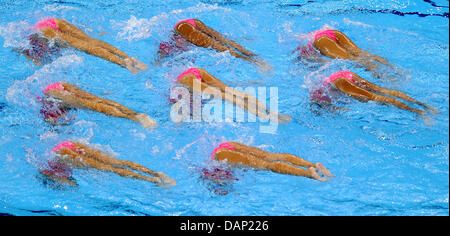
{"x":190,"y":21}
{"x":55,"y":86}
{"x":193,"y":71}
{"x":49,"y":23}
{"x":341,"y":74}
{"x":315,"y":36}
{"x":222,"y":146}
{"x":67,"y":144}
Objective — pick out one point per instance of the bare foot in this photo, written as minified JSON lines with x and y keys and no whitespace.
{"x":433,"y":110}
{"x":282,"y":119}
{"x":166,"y":179}
{"x":130,"y":66}
{"x":316,"y":176}
{"x":146,"y":121}
{"x":139,"y":65}
{"x":324,"y":171}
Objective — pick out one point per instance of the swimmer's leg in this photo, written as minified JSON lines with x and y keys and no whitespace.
{"x":77,"y":98}
{"x":219,"y":37}
{"x":248,"y":99}
{"x":201,"y":39}
{"x":120,"y":171}
{"x":348,"y":44}
{"x":72,"y":30}
{"x":280,"y":157}
{"x":68,"y":28}
{"x":361,"y":94}
{"x":91,"y":49}
{"x":242,"y":159}
{"x":301,"y":162}
{"x":106,"y":159}
{"x":213,"y":81}
{"x":378,"y":89}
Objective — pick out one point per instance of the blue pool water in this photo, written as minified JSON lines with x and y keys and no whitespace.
{"x":386,"y":161}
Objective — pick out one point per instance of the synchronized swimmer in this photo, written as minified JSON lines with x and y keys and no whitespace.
{"x":353,"y":85}
{"x":196,"y":32}
{"x":65,"y":35}
{"x":200,"y":78}
{"x":336,"y":45}
{"x":73,"y":155}
{"x":68,"y":96}
{"x":244,"y":156}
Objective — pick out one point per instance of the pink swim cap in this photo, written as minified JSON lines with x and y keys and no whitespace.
{"x":341,"y":74}
{"x":190,"y":21}
{"x":192,"y":71}
{"x":67,"y":144}
{"x":49,"y":23}
{"x":55,"y":86}
{"x":222,"y":146}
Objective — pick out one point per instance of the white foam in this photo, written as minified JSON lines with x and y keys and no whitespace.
{"x":136,"y":29}
{"x":24,"y":92}
{"x":15,"y":34}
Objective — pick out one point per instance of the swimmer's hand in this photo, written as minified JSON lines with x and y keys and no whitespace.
{"x":146,"y":121}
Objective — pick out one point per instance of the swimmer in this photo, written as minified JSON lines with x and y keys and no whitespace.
{"x":214,"y":86}
{"x":336,"y":45}
{"x":362,"y":90}
{"x":241,"y":155}
{"x":67,"y":35}
{"x":69,"y":96}
{"x":196,"y":32}
{"x":73,"y":155}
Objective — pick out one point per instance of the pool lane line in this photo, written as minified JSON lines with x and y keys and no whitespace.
{"x":384,"y":11}
{"x":434,"y":4}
